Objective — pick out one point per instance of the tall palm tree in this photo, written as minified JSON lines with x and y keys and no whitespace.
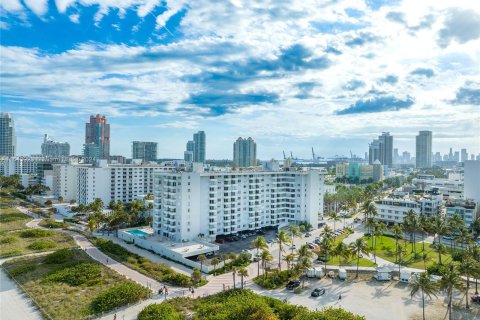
{"x":424,"y":227}
{"x":304,"y":251}
{"x":225,"y":257}
{"x":302,"y":266}
{"x":327,"y":232}
{"x":455,"y":223}
{"x":371,"y":222}
{"x":266,"y":256}
{"x":397,"y":231}
{"x":334,"y":216}
{"x":294,"y":232}
{"x":324,"y":249}
{"x":289,"y":259}
{"x":341,"y":250}
{"x":234,"y":272}
{"x":242,"y":272}
{"x":451,"y":279}
{"x":381,"y":227}
{"x":215,"y":261}
{"x":468,"y":268}
{"x":411,"y":222}
{"x":440,"y":249}
{"x":401,"y":252}
{"x":202,"y":258}
{"x":359,"y":247}
{"x":440,"y":226}
{"x":366,"y":207}
{"x":259,"y":243}
{"x":475,"y":253}
{"x":282,"y":239}
{"x":426,"y":286}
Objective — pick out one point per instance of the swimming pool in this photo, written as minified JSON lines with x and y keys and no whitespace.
{"x":138,"y":233}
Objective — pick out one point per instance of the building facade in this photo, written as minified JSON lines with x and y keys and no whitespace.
{"x":471,"y":178}
{"x":188,"y":204}
{"x":199,"y":151}
{"x":245,"y":152}
{"x":147,"y":151}
{"x":466,"y":209}
{"x":51,"y":148}
{"x":423,"y":149}
{"x":8,"y":138}
{"x":97,"y":132}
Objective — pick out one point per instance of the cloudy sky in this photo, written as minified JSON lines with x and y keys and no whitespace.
{"x":291,"y":74}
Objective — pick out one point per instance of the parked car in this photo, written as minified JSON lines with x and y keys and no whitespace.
{"x":308,"y":234}
{"x":257,"y":257}
{"x":318,"y":292}
{"x":447,"y":237}
{"x":294,"y":247}
{"x":317,"y":241}
{"x":270,"y":241}
{"x":293,"y":284}
{"x":220,"y":241}
{"x":311,"y":245}
{"x":475,"y":298}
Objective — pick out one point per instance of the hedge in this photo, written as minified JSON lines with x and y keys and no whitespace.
{"x":36,"y":233}
{"x":59,"y":256}
{"x":23,"y":269}
{"x":159,"y":311}
{"x":42,"y":245}
{"x":119,"y":295}
{"x":79,"y":274}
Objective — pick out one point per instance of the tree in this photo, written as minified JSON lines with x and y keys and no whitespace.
{"x":265,"y":257}
{"x":440,"y":249}
{"x":289,"y":259}
{"x":215,"y":261}
{"x":341,"y":250}
{"x":48,"y":202}
{"x":468,"y":267}
{"x":359,"y":247}
{"x":325,"y":248}
{"x":225,"y":257}
{"x":426,"y":286}
{"x":282,"y":239}
{"x":397,"y":231}
{"x":259,"y":243}
{"x":371,"y":223}
{"x":302,"y":266}
{"x":440,"y":227}
{"x":294,"y":232}
{"x":60,"y":199}
{"x":92,"y":223}
{"x":424,"y":227}
{"x":304,"y":252}
{"x":456,"y":224}
{"x":327,"y":233}
{"x":411,"y":223}
{"x":202,"y":258}
{"x":451,"y":279}
{"x":243,"y":272}
{"x":334,"y":216}
{"x":234,"y":272}
{"x":381,"y":227}
{"x":196,"y":276}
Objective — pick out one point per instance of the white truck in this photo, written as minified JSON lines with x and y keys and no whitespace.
{"x":405,"y":276}
{"x":383,"y":274}
{"x":342,"y":274}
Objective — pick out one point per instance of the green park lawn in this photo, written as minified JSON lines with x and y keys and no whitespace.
{"x":385,"y":248}
{"x":12,"y":219}
{"x":68,"y":289}
{"x":22,"y":242}
{"x":351,"y":262}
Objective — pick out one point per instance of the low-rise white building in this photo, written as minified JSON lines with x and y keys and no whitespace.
{"x":193,"y":203}
{"x":392,"y":210}
{"x":466,"y":209}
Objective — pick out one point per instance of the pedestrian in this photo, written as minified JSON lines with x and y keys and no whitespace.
{"x":107,"y":260}
{"x":115,"y":316}
{"x":193,"y":292}
{"x":340,"y":297}
{"x":160,"y":291}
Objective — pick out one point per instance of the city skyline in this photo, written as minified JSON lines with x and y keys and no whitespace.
{"x":331,"y":77}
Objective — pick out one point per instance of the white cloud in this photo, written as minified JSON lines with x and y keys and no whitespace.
{"x":39,"y":7}
{"x":11,"y":5}
{"x":75,"y":18}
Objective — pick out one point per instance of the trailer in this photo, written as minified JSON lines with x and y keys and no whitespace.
{"x":310,"y":272}
{"x":342,"y":274}
{"x":405,"y":276}
{"x":319,"y":272}
{"x":383,"y":274}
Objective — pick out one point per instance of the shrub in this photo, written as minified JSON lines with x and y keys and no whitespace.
{"x":14,"y":216}
{"x":14,"y":252}
{"x":162,"y":311}
{"x":79,"y":274}
{"x":36,"y":233}
{"x":297,"y":290}
{"x":23,"y":269}
{"x":59,"y":256}
{"x":436,"y":269}
{"x":51,"y":223}
{"x":118,"y":296}
{"x":113,"y":249}
{"x":274,"y":279}
{"x":72,"y":220}
{"x":458,"y":256}
{"x":42,"y":245}
{"x":177,"y":279}
{"x":7,"y":240}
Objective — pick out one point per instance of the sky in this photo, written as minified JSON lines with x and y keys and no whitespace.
{"x":332,"y":75}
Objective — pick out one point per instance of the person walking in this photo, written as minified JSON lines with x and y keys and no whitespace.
{"x":115,"y":316}
{"x":340,"y":297}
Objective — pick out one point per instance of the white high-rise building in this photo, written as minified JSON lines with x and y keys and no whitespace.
{"x":423,"y":150}
{"x":8,"y":139}
{"x":51,"y":148}
{"x":245,"y":152}
{"x":471,"y":173}
{"x":189,"y":204}
{"x":65,"y":181}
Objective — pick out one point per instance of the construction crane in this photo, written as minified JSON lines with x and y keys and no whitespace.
{"x":313,"y":154}
{"x":284,"y":157}
{"x":351,"y":156}
{"x":291,"y":155}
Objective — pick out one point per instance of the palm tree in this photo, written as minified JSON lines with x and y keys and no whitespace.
{"x":242,"y":272}
{"x":334,"y":216}
{"x":366,"y":207}
{"x":359,"y":247}
{"x":289,"y":258}
{"x":304,"y":252}
{"x":401,"y":251}
{"x":397,"y":231}
{"x":381,"y":227}
{"x":294,"y":232}
{"x":411,"y":223}
{"x":234,"y":272}
{"x":259,"y":243}
{"x":327,"y":233}
{"x":468,"y":268}
{"x":424,"y":226}
{"x":92,"y":223}
{"x":371,"y":222}
{"x":475,"y":253}
{"x":302,"y":266}
{"x":266,"y":256}
{"x":215,"y":261}
{"x":440,"y":226}
{"x":324,"y":249}
{"x":440,"y":249}
{"x":451,"y":279}
{"x":202,"y":258}
{"x":282,"y":239}
{"x":341,"y":250}
{"x":426,"y":286}
{"x":456,"y":224}
{"x":225,"y":257}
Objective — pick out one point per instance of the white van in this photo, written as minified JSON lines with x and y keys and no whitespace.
{"x":342,"y":274}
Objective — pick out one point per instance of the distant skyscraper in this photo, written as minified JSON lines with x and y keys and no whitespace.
{"x":438,"y":156}
{"x":423,"y":149}
{"x":456,"y":156}
{"x":199,"y":146}
{"x":188,"y":154}
{"x":396,"y":156}
{"x":381,"y":149}
{"x":8,"y":139}
{"x":450,"y":155}
{"x":52,"y":148}
{"x":374,"y":151}
{"x":406,"y":156}
{"x":245,"y":152}
{"x":146,"y":151}
{"x":464,"y":155}
{"x":97,"y":132}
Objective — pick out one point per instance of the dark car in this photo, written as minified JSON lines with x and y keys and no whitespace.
{"x":308,"y":234}
{"x":475,"y":299}
{"x":318,"y":292}
{"x":220,"y":241}
{"x":293,"y":284}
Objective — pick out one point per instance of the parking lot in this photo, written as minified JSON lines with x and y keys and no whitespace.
{"x":243,"y":244}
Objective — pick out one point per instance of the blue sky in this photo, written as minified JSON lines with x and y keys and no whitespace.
{"x":291,"y":74}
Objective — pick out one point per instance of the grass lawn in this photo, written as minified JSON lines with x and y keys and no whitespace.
{"x":18,"y":242}
{"x":386,"y":250}
{"x":12,"y":219}
{"x":63,"y":297}
{"x":352,"y":262}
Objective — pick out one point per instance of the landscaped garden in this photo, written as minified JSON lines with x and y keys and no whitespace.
{"x":157,"y":271}
{"x":33,"y":240}
{"x":238,"y":304}
{"x":11,"y":219}
{"x":385,"y":248}
{"x":67,"y":284}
